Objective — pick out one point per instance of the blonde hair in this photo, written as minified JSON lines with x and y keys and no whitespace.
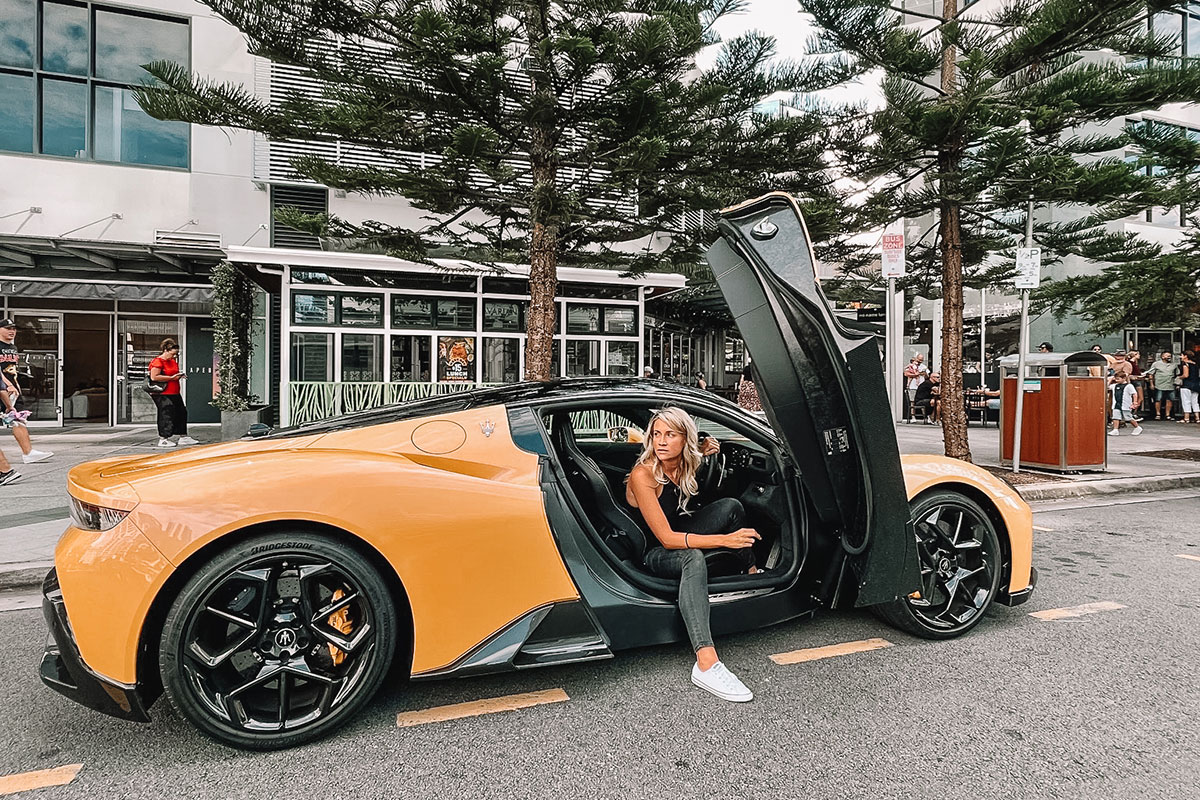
{"x":680,"y":421}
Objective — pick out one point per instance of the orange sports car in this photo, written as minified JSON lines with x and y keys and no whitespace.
{"x":268,"y":585}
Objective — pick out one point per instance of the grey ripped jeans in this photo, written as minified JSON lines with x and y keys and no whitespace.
{"x":689,"y":566}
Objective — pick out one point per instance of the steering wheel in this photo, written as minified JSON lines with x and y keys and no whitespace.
{"x":711,"y":471}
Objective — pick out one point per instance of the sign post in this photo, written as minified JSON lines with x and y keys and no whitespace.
{"x":1029,"y":271}
{"x":892,"y":266}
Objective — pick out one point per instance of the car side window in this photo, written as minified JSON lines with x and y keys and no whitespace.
{"x":596,"y":425}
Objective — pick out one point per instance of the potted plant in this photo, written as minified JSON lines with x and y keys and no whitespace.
{"x":233,"y":314}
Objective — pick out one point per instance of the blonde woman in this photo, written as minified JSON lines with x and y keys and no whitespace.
{"x":663,"y":487}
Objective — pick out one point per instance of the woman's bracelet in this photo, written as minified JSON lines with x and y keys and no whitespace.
{"x":686,"y":546}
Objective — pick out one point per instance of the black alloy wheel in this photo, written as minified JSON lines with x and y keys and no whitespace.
{"x":277,"y":641}
{"x":960,"y":560}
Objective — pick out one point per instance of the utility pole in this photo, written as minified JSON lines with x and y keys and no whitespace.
{"x":1024,"y":281}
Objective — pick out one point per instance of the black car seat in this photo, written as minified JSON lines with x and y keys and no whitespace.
{"x":614,"y":520}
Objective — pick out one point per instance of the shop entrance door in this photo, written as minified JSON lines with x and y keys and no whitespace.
{"x":138,"y":343}
{"x":39,"y":370}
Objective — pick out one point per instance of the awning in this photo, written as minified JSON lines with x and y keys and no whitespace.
{"x":49,"y":257}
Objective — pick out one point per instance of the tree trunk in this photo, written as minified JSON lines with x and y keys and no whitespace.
{"x":543,"y":233}
{"x":952,"y":408}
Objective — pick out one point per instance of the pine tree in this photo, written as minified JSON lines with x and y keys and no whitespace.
{"x":995,"y":106}
{"x":560,"y":131}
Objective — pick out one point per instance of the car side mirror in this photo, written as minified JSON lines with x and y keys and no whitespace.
{"x":618,"y":434}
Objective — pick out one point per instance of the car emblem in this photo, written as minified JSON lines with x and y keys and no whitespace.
{"x":285,"y":639}
{"x":764,"y":230}
{"x":488,"y":427}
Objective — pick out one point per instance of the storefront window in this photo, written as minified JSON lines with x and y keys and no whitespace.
{"x":622,"y":358}
{"x":503,"y":315}
{"x":312,"y":309}
{"x":361,"y":309}
{"x":456,"y":359}
{"x":583,"y":319}
{"x":412,"y":312}
{"x":456,"y":314}
{"x":362,"y":357}
{"x":501,"y":360}
{"x":410,"y":358}
{"x":583,"y":358}
{"x":620,"y":320}
{"x":312,"y":356}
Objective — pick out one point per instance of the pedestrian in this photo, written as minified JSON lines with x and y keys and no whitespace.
{"x":700,"y":382}
{"x":648,"y":373}
{"x":1045,"y":347}
{"x":1161,"y":376}
{"x":172,"y":415}
{"x":1189,"y":387}
{"x":1122,"y":405}
{"x":14,"y":414}
{"x":747,"y":391}
{"x":914,"y":376}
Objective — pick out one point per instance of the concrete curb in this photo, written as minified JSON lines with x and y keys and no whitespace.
{"x":1107,"y":486}
{"x":26,"y":575}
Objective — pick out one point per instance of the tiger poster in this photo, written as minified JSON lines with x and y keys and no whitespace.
{"x":456,"y":359}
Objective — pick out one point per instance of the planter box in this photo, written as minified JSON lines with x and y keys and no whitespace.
{"x":235,"y":424}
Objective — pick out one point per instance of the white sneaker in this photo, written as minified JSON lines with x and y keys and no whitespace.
{"x":720,"y":681}
{"x":165,"y":443}
{"x":1136,"y":432}
{"x":1114,"y":432}
{"x":188,"y":440}
{"x":34,"y":456}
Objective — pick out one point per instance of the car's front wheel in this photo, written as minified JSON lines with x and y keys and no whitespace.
{"x":277,"y":640}
{"x":960,"y":559}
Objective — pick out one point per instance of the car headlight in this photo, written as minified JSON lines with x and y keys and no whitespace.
{"x":92,"y":517}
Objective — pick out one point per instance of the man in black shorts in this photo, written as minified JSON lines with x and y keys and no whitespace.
{"x":10,"y":394}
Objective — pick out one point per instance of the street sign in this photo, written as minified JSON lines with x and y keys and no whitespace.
{"x":1029,"y":267}
{"x":892,"y":257}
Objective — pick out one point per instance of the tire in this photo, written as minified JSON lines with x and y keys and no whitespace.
{"x":250,"y":654}
{"x":959,"y":576}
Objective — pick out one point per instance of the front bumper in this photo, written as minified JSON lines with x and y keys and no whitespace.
{"x":1017,"y":598}
{"x":63,"y":670}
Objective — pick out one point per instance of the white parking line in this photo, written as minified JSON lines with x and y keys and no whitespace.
{"x":1190,"y":558}
{"x":829,"y":651}
{"x":474,"y":708}
{"x":1076,"y":611}
{"x":24,"y":781}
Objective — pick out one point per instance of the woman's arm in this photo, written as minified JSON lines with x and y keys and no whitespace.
{"x":644,"y":489}
{"x":156,"y":374}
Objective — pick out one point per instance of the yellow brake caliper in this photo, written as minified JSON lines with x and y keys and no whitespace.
{"x":339,"y":621}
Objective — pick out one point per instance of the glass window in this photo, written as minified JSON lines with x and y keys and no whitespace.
{"x":598,"y":290}
{"x":503,"y":315}
{"x":362,"y":357}
{"x":64,"y":118}
{"x":583,"y":319}
{"x":16,"y":113}
{"x":620,"y":320}
{"x":506,"y":286}
{"x":361,"y":309}
{"x":622,"y":359}
{"x":1170,"y":24}
{"x":1193,"y":37}
{"x":583,"y":358}
{"x":412,"y":312}
{"x":127,"y":134}
{"x":312,"y":309}
{"x":124,"y":42}
{"x":456,"y":358}
{"x":501,"y":360}
{"x":312,"y":356}
{"x":64,"y":39}
{"x":456,"y":314}
{"x":410,"y":359}
{"x":17,"y":19}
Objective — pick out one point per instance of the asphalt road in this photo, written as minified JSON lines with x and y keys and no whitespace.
{"x":1098,"y":706}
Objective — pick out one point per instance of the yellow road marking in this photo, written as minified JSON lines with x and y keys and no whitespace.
{"x":1190,"y":558}
{"x":1076,"y":611}
{"x":829,"y":651}
{"x":24,"y":781}
{"x":474,"y":708}
{"x":1044,"y":530}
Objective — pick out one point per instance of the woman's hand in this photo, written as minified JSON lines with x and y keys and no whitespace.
{"x":710,"y":447}
{"x":741,"y":538}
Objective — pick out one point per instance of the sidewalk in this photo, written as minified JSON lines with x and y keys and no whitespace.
{"x":35,"y":510}
{"x":1129,"y":470}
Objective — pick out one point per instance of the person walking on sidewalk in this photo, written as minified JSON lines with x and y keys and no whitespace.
{"x":1161,"y":377}
{"x":1189,"y":388}
{"x":172,"y":414}
{"x":914,"y":376}
{"x":10,"y":393}
{"x":1123,"y":395}
{"x":7,"y":473}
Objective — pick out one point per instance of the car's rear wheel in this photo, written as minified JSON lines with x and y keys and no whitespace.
{"x":960,"y":558}
{"x":278,"y":640}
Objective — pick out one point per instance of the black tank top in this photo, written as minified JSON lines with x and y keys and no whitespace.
{"x":668,"y":501}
